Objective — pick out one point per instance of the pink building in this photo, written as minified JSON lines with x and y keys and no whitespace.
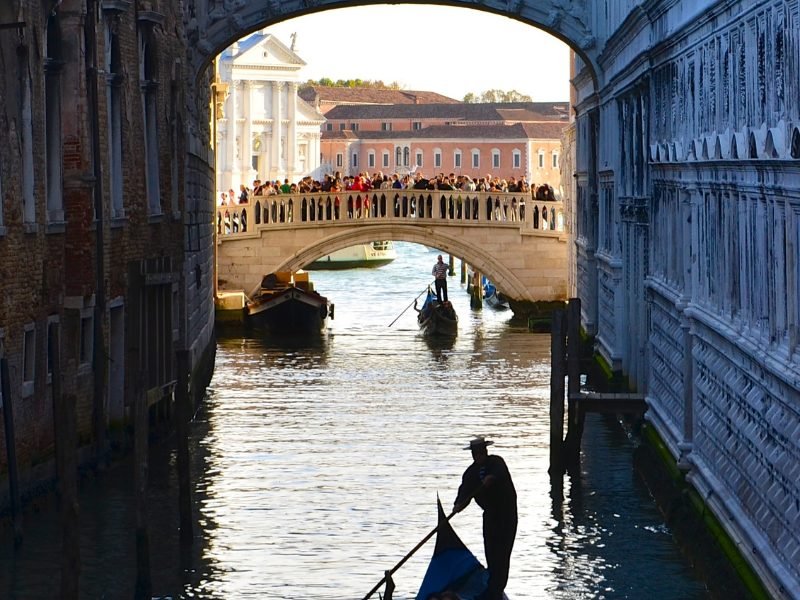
{"x":501,"y":140}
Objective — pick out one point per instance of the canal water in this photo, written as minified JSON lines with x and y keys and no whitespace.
{"x":317,"y":464}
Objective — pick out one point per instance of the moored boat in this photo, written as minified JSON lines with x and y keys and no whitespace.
{"x":436,"y":318}
{"x":374,"y":254}
{"x":287,"y":303}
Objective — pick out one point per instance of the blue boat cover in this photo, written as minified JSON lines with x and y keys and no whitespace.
{"x":453,"y":567}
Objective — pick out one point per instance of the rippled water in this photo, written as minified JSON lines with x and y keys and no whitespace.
{"x":317,"y":464}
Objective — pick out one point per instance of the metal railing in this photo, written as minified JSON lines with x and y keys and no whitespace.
{"x":291,"y":210}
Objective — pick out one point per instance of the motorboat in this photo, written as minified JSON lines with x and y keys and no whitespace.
{"x":374,"y":254}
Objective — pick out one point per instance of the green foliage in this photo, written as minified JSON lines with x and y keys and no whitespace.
{"x":355,"y":83}
{"x":497,"y":96}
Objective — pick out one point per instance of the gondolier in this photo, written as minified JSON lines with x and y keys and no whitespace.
{"x":497,"y":497}
{"x":439,"y":273}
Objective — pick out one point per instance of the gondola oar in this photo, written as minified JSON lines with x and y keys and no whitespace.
{"x":410,"y":305}
{"x":406,"y":557}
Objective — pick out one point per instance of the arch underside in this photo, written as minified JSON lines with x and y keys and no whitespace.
{"x":481,"y":259}
{"x":219,"y":23}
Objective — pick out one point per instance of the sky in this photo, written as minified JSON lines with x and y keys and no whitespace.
{"x":452,"y":51}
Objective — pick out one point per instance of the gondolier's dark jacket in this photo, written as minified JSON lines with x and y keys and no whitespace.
{"x":498,"y":500}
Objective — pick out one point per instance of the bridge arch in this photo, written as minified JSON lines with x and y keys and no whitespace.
{"x":216,"y":24}
{"x":483,"y":261}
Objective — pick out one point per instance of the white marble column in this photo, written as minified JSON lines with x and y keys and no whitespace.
{"x":275,"y":155}
{"x":291,"y":135}
{"x":232,"y":174}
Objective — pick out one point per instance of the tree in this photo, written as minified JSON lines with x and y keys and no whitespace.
{"x":355,"y":83}
{"x":497,"y":96}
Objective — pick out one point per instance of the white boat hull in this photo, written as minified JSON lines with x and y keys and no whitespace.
{"x":371,"y":255}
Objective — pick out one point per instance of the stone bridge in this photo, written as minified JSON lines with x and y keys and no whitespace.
{"x":518,"y":242}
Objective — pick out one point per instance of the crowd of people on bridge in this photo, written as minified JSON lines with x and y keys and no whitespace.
{"x":360,"y":206}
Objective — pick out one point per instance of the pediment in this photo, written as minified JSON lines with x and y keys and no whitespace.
{"x":267,"y":52}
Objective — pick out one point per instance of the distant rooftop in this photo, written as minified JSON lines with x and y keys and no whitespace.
{"x":361,"y":96}
{"x":520,"y":112}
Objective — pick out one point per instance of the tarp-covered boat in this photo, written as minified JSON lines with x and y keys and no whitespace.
{"x":437,"y":318}
{"x":287,"y":303}
{"x":453,"y":568}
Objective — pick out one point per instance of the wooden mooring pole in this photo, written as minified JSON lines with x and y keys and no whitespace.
{"x":557,"y":372}
{"x":11,"y":451}
{"x":575,"y":417}
{"x":184,"y":413}
{"x":64,"y":431}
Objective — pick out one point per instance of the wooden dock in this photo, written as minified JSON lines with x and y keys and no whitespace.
{"x":596,"y":402}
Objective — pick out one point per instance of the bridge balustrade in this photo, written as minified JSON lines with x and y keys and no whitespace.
{"x":289,"y":210}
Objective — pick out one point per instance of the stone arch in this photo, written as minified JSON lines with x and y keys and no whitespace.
{"x":752,"y":147}
{"x":214,"y":27}
{"x":775,"y":144}
{"x":718,"y":149}
{"x":503,"y":277}
{"x":734,"y":153}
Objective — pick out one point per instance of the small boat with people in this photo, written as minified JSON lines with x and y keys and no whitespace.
{"x":372,"y":255}
{"x":436,"y":318}
{"x":492,"y":297}
{"x":286,"y":302}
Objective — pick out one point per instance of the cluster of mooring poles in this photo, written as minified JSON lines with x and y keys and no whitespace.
{"x":565,"y":361}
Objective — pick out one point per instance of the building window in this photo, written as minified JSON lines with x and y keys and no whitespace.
{"x":355,"y":160}
{"x":406,"y":156}
{"x":328,"y":126}
{"x":516,"y":159}
{"x":555,"y":160}
{"x":457,"y":159}
{"x":495,"y":159}
{"x":385,"y":160}
{"x":416,"y":125}
{"x":398,"y":156}
{"x":476,"y":159}
{"x":114,"y":100}
{"x":52,"y":121}
{"x":437,"y":158}
{"x":418,"y":158}
{"x":354,"y":126}
{"x":52,"y":331}
{"x":541,"y":159}
{"x":341,"y":126}
{"x":87,"y":338}
{"x":28,"y":198}
{"x":386,"y":126}
{"x":148,"y":75}
{"x":371,"y":160}
{"x":28,"y":359}
{"x":339,"y":159}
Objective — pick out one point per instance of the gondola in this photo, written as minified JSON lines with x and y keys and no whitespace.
{"x":452,"y":567}
{"x":492,"y":297}
{"x":436,"y":318}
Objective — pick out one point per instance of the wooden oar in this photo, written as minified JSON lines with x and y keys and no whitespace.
{"x":406,"y":557}
{"x":410,"y":305}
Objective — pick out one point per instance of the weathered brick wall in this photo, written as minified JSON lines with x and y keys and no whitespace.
{"x":51,"y":271}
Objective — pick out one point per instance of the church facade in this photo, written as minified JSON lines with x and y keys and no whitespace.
{"x":264,"y":130}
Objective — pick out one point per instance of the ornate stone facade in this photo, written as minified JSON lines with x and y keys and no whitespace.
{"x":264,"y":130}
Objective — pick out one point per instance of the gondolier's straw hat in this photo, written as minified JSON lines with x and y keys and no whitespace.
{"x":478,"y":442}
